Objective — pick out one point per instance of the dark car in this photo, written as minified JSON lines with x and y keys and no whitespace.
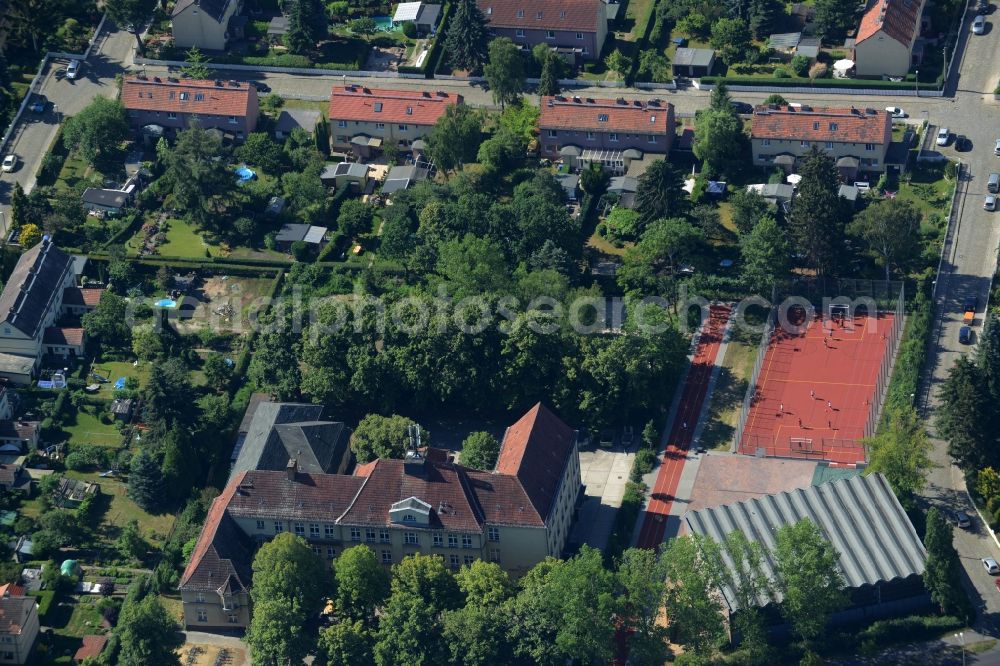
{"x":961,"y":519}
{"x":962,"y":143}
{"x":741,"y":107}
{"x":261,"y":86}
{"x":965,"y":335}
{"x":971,"y":304}
{"x":38,"y":104}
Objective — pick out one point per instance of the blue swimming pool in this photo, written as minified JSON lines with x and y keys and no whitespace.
{"x":244,"y":174}
{"x":384,"y":23}
{"x":166,"y":303}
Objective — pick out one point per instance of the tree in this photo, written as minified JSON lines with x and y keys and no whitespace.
{"x":131,"y":15}
{"x":362,"y":584}
{"x":641,"y":576}
{"x":30,"y":236}
{"x":731,"y":38}
{"x":505,"y":71}
{"x":130,"y":543}
{"x":667,"y":242}
{"x":765,"y":254}
{"x":306,"y":26}
{"x":195,"y":64}
{"x":808,"y":578}
{"x":145,"y":481}
{"x":653,"y":66}
{"x":563,"y":609}
{"x":901,"y":451}
{"x":194,"y":175}
{"x":764,"y":17}
{"x":274,"y":367}
{"x":818,"y":217}
{"x":480,"y":451}
{"x":833,"y":19}
{"x":466,"y":42}
{"x":381,"y":437}
{"x":355,"y":218}
{"x":775,"y":98}
{"x":659,"y":192}
{"x":618,"y":62}
{"x":692,"y":568}
{"x":748,"y":583}
{"x":622,"y":223}
{"x":478,"y":632}
{"x":548,"y":84}
{"x":289,"y":582}
{"x":455,"y":138}
{"x":718,"y":139}
{"x":988,"y":358}
{"x":147,"y":634}
{"x":942,"y":571}
{"x":97,"y":129}
{"x":19,"y":206}
{"x":748,"y":208}
{"x":218,"y":371}
{"x":263,"y":151}
{"x":472,"y":266}
{"x":107,"y":324}
{"x":964,"y":417}
{"x":891,"y":229}
{"x":347,"y":643}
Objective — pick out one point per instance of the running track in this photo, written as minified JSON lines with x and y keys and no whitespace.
{"x":689,"y":410}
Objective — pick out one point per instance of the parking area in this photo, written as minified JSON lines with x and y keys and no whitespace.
{"x":604,"y":473}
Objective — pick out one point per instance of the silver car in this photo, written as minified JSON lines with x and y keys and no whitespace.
{"x":73,"y":70}
{"x":979,"y":25}
{"x":990,"y":202}
{"x":991,"y":566}
{"x":943,"y":135}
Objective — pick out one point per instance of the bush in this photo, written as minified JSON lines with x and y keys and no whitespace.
{"x":410,"y":29}
{"x":45,"y":599}
{"x":645,"y":460}
{"x":906,"y":629}
{"x":628,"y":512}
{"x":817,"y":71}
{"x":781,"y":74}
{"x":300,"y":250}
{"x":800,"y":65}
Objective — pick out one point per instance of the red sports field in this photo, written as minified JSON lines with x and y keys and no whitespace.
{"x":815,"y":390}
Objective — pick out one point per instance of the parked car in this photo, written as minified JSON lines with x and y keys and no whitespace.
{"x":979,"y":25}
{"x":895,"y":112}
{"x":261,"y":86}
{"x":965,"y":335}
{"x":73,"y":70}
{"x":962,"y":143}
{"x":741,"y":107}
{"x":983,"y":7}
{"x":961,"y":519}
{"x":37,"y":105}
{"x":9,"y":163}
{"x":943,"y":135}
{"x":990,"y":202}
{"x":971,"y":304}
{"x":991,"y":566}
{"x":996,"y":148}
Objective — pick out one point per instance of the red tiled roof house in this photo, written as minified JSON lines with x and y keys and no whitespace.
{"x":581,"y":25}
{"x":516,"y":515}
{"x":888,"y":31}
{"x":858,"y":139}
{"x":230,"y":106}
{"x":362,"y":119}
{"x":581,"y":124}
{"x":18,"y":627}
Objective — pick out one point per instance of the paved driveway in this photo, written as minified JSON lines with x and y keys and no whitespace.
{"x":604,"y":472}
{"x":36,"y":132}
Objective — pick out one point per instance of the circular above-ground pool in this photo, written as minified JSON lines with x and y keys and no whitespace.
{"x":166,"y":303}
{"x":243,"y":174}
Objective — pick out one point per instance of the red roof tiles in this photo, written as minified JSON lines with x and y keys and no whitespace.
{"x":822,"y":125}
{"x":577,"y":15}
{"x":413,"y":107}
{"x":536,"y":450}
{"x":92,"y":647}
{"x":14,"y":614}
{"x":606,"y":115}
{"x":218,"y":555}
{"x":272,"y":494}
{"x":80,"y":297}
{"x":71,"y":337}
{"x":898,"y":19}
{"x":198,"y":97}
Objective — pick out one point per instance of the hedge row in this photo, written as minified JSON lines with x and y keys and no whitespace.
{"x":625,"y":519}
{"x":912,"y":354}
{"x":435,"y":57}
{"x":818,"y":83}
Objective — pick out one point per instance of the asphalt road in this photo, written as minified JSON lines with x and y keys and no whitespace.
{"x":36,"y":132}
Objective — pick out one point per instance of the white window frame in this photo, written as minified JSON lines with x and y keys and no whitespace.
{"x":386,"y":556}
{"x":341,"y":123}
{"x":493,"y":534}
{"x":551,"y":133}
{"x":356,"y":534}
{"x":870,"y":147}
{"x":519,"y":32}
{"x":411,"y":538}
{"x":550,"y":34}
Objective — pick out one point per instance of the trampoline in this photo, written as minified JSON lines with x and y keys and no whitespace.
{"x":243,"y":174}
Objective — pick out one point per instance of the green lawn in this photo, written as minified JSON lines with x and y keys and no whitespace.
{"x":729,"y":391}
{"x":76,"y":171}
{"x":88,"y":429}
{"x":929,"y":190}
{"x":86,"y":619}
{"x":183,"y":241}
{"x":637,"y":16}
{"x":112,"y":370}
{"x":122,"y":509}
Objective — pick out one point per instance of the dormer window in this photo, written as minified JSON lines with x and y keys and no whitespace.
{"x":409,"y":518}
{"x":199,"y":97}
{"x":602,"y":117}
{"x":520,"y":13}
{"x":184,"y":96}
{"x":833,"y":127}
{"x":562,"y":15}
{"x":538,"y":16}
{"x":815,"y":126}
{"x":409,"y":110}
{"x":378,"y":107}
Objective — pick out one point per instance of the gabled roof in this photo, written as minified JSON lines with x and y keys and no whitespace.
{"x":382,"y":105}
{"x":56,"y":335}
{"x":30,"y":289}
{"x":92,"y":646}
{"x":821,"y":124}
{"x":269,"y":444}
{"x":442,"y":486}
{"x":14,"y":614}
{"x":292,"y":118}
{"x":606,"y":115}
{"x":575,"y":15}
{"x":101,"y":197}
{"x":222,"y":552}
{"x":860,"y":516}
{"x":215,"y":9}
{"x":82,"y":297}
{"x":268,"y":494}
{"x":687,"y":57}
{"x":194,"y":96}
{"x":536,"y":450}
{"x":898,"y":19}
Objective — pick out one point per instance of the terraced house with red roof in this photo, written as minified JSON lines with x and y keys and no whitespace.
{"x":858,"y":139}
{"x":173,"y":104}
{"x":585,"y":127}
{"x":886,"y":38}
{"x":580,"y":25}
{"x":515,"y":515}
{"x":363,"y":119}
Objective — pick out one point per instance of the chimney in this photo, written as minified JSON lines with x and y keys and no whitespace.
{"x":413,"y":462}
{"x":291,"y":468}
